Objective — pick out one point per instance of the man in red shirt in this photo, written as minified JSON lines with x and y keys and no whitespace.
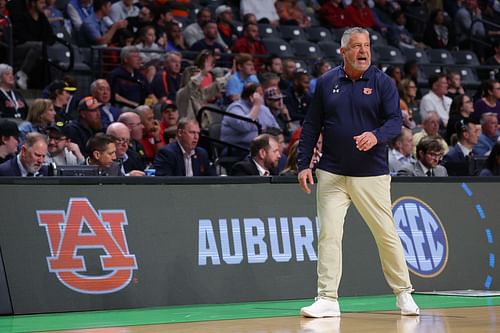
{"x":250,"y":43}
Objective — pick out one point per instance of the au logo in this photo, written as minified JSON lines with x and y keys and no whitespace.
{"x":423,"y":236}
{"x":82,"y":227}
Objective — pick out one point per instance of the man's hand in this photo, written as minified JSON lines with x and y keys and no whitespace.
{"x":365,"y":141}
{"x":136,"y":173}
{"x":305,"y":177}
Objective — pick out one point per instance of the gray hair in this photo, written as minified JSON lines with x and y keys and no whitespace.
{"x":184,"y":121}
{"x":346,"y":36}
{"x":431,"y":114}
{"x":486,"y":116}
{"x":169,"y":54}
{"x":4,"y":68}
{"x":93,"y":85}
{"x":127,"y":50}
{"x":33,"y":138}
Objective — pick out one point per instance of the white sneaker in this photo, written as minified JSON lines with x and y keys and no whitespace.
{"x":22,"y":80}
{"x":407,"y":305}
{"x":321,"y":308}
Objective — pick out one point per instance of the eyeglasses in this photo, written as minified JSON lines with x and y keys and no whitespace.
{"x":435,"y":154}
{"x":122,"y":141}
{"x":58,"y":139}
{"x":412,"y":87}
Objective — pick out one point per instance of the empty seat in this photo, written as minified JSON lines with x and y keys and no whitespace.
{"x":268,"y":31}
{"x":389,"y":55}
{"x":425,"y":72}
{"x":465,"y":58}
{"x":330,"y":50}
{"x":440,"y":56}
{"x":337,"y":34}
{"x":306,"y":49}
{"x":376,"y":38}
{"x":292,"y":32}
{"x":415,"y":54}
{"x":317,"y":34}
{"x":278,"y":47}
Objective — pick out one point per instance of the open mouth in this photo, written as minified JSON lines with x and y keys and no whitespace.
{"x":362,"y":60}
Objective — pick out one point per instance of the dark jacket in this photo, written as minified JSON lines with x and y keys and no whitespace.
{"x":11,"y":169}
{"x":169,"y":161}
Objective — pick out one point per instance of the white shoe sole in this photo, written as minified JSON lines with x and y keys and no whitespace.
{"x":307,"y":314}
{"x":412,"y":313}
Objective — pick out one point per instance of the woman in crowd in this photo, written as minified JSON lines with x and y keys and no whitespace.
{"x":460,"y":109}
{"x":436,"y":34}
{"x":490,"y":99}
{"x":408,"y":93}
{"x":12,"y":103}
{"x":319,"y":68}
{"x":41,"y":116}
{"x":492,"y":164}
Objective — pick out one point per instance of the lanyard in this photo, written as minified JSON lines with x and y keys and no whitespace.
{"x":11,"y":97}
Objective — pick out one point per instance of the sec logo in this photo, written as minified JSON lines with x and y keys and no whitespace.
{"x":423,"y":236}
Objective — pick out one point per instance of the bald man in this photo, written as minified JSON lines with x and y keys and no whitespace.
{"x":130,"y":161}
{"x":133,"y":121}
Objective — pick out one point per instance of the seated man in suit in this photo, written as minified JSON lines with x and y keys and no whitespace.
{"x":102,"y":152}
{"x":131,"y":163}
{"x":457,"y":160}
{"x":184,"y":158}
{"x":29,"y":161}
{"x":263,"y":160}
{"x":429,"y":153}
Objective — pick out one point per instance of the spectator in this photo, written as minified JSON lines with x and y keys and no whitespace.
{"x":57,"y":20}
{"x":133,"y":121}
{"x":175,"y":38}
{"x":97,"y":29}
{"x":469,"y":28}
{"x":264,"y":11}
{"x":430,"y":127}
{"x":9,"y":139}
{"x":360,"y":15}
{"x":87,"y":124}
{"x":490,"y":99}
{"x":227,"y":31}
{"x":274,"y":64}
{"x":41,"y":115}
{"x":489,"y":135}
{"x":274,"y":101}
{"x":209,"y":40}
{"x":492,"y":164}
{"x":332,"y":14}
{"x":59,"y":92}
{"x":12,"y":103}
{"x":263,"y":159}
{"x":60,"y":149}
{"x":130,"y":162}
{"x":194,"y":32}
{"x":408,"y":93}
{"x":436,"y":34}
{"x":245,"y":74}
{"x":102,"y":152}
{"x":30,"y":160}
{"x":78,"y":11}
{"x":123,"y":9}
{"x":429,"y":153}
{"x":169,"y":117}
{"x":151,"y":136}
{"x":320,"y":67}
{"x":400,"y":152}
{"x":436,"y":99}
{"x":146,"y":39}
{"x":290,"y":13}
{"x":249,"y":18}
{"x":146,"y":17}
{"x":411,"y":71}
{"x":251,"y":106}
{"x":454,"y":85}
{"x":278,"y":135}
{"x":494,"y":60}
{"x":297,"y":97}
{"x":394,"y":73}
{"x":383,"y":11}
{"x":250,"y":43}
{"x":167,"y":82}
{"x":129,"y":86}
{"x":399,"y":36}
{"x":289,"y":69}
{"x":456,"y":161}
{"x":184,"y":157}
{"x":291,"y":162}
{"x":461,"y":108}
{"x":31,"y":29}
{"x":100,"y":90}
{"x":269,"y":80}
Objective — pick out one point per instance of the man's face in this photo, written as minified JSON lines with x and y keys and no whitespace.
{"x":302,"y":84}
{"x":170,"y":116}
{"x":40,"y":5}
{"x":188,"y":136}
{"x":431,"y":125}
{"x":277,"y":66}
{"x":406,"y":147}
{"x":174,"y":64}
{"x":205,"y":16}
{"x":455,"y":81}
{"x":440,"y":87}
{"x":63,"y":97}
{"x":210,"y":31}
{"x":8,"y":78}
{"x":122,"y":140}
{"x":145,"y":15}
{"x":148,"y":120}
{"x":136,"y":127}
{"x":247,"y":68}
{"x":107,"y":157}
{"x":472,"y":134}
{"x":11,"y":143}
{"x":252,"y":32}
{"x":272,"y":154}
{"x":106,"y":8}
{"x":289,"y":68}
{"x":227,"y":16}
{"x":430,"y":159}
{"x":490,"y":126}
{"x":102,"y":92}
{"x":56,"y":143}
{"x":32,"y":158}
{"x":133,"y":59}
{"x":357,"y":53}
{"x":92,"y":119}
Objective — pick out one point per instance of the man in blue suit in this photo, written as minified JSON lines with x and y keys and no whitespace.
{"x":29,"y":162}
{"x":183,"y":157}
{"x":457,"y":159}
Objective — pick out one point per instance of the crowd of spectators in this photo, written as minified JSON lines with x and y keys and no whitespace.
{"x":142,"y":113}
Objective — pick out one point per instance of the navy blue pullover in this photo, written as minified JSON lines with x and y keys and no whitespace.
{"x":343,"y":109}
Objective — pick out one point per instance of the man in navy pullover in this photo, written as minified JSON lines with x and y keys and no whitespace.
{"x":356,"y":107}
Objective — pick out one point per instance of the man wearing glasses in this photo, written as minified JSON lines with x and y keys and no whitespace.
{"x":429,"y":154}
{"x":61,"y":150}
{"x":130,"y":161}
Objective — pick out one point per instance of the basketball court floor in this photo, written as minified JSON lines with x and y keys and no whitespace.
{"x":377,"y":314}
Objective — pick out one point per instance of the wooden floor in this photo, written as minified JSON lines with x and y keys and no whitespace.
{"x":456,"y":320}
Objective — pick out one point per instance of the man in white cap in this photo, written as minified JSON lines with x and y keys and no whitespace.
{"x":227,"y":31}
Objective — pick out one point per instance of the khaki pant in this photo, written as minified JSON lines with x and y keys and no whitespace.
{"x":371,"y":196}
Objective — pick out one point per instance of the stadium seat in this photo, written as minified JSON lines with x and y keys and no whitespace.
{"x":302,"y":65}
{"x":389,"y":55}
{"x":278,"y":47}
{"x":420,"y":56}
{"x":465,"y":58}
{"x":292,"y":32}
{"x":468,"y":75}
{"x":318,"y":34}
{"x":337,"y":34}
{"x":376,"y":38}
{"x":268,"y":31}
{"x":330,"y":50}
{"x":305,"y":49}
{"x":425,"y":72}
{"x":440,"y":56}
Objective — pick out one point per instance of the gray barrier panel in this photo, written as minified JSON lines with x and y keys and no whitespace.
{"x":91,"y":247}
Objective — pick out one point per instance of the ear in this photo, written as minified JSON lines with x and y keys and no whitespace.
{"x":420,"y":154}
{"x":96,"y":155}
{"x":262,"y":153}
